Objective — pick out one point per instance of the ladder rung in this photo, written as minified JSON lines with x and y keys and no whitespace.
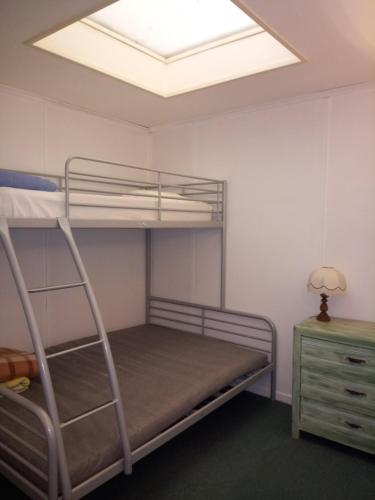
{"x":56,"y":287}
{"x":72,"y":349}
{"x":88,"y":413}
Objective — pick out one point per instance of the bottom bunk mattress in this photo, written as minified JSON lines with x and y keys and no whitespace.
{"x":163,"y":374}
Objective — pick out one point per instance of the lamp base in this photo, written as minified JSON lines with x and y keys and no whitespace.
{"x":323,"y":315}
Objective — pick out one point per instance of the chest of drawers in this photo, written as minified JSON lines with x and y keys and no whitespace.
{"x":334,"y":381}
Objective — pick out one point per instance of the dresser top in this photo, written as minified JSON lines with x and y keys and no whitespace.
{"x":361,"y":332}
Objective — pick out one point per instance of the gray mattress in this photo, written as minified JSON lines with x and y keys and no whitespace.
{"x":163,"y":374}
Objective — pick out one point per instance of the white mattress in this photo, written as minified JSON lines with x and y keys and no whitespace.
{"x":41,"y":204}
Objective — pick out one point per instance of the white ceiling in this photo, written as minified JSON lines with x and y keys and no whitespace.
{"x":337,"y":38}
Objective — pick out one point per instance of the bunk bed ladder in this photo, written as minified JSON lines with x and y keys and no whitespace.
{"x":40,"y":355}
{"x":116,"y":394}
{"x":42,"y":358}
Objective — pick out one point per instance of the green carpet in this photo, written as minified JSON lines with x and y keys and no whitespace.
{"x":243,"y":451}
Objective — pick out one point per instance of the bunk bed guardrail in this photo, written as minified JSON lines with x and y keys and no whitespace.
{"x":163,"y":185}
{"x":48,"y":434}
{"x":154,"y":190}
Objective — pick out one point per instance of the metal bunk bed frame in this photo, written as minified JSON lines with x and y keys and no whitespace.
{"x":209,"y":320}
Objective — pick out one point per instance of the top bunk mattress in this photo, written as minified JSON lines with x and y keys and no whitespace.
{"x":163,"y":374}
{"x":26,"y":203}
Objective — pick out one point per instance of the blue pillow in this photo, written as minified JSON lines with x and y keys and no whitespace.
{"x":9,"y":178}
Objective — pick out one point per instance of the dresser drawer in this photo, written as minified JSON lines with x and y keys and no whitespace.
{"x":345,"y":354}
{"x":350,"y":395}
{"x":339,"y":425}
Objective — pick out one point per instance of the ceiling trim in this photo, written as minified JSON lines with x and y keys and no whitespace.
{"x":368,"y":86}
{"x":15,"y":91}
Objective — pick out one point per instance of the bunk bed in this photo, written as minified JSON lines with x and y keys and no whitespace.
{"x":122,"y":394}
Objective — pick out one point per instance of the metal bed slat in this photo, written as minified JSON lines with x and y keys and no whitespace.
{"x":200,"y":191}
{"x":97,"y":191}
{"x":165,"y":197}
{"x":174,"y":320}
{"x":139,"y":195}
{"x":23,"y":461}
{"x":236,"y":334}
{"x":176,"y":312}
{"x":23,"y":443}
{"x":196,"y":184}
{"x":10,"y":415}
{"x":106,"y":162}
{"x":125,"y":207}
{"x":105,"y":178}
{"x":246,"y":346}
{"x":252,"y":327}
{"x":27,"y":486}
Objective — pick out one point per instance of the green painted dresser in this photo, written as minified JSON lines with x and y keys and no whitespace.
{"x":334,"y":381}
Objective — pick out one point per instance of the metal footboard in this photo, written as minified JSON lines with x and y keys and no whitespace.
{"x":48,"y":434}
{"x":251,"y":331}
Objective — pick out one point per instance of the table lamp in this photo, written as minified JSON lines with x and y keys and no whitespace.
{"x":326,"y":281}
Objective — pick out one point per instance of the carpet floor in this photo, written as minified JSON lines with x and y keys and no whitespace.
{"x":243,"y":451}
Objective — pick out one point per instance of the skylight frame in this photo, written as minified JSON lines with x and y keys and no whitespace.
{"x":295,"y":56}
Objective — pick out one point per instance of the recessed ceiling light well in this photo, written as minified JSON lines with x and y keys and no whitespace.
{"x":170,"y":47}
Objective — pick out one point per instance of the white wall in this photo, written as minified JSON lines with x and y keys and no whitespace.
{"x":38,"y":135}
{"x":301,"y":194}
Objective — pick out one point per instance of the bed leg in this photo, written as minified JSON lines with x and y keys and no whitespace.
{"x":273,"y":386}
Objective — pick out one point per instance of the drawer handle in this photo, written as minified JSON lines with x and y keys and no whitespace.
{"x":356,"y":361}
{"x":355,"y":393}
{"x":353,"y":426}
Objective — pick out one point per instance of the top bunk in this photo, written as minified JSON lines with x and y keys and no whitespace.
{"x":103,"y":194}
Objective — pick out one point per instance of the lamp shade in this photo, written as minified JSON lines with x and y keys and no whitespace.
{"x":327,"y":280}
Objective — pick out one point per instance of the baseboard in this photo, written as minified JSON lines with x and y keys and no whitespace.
{"x":283,"y":397}
{"x":280,"y":396}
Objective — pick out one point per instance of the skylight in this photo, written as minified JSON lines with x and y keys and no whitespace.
{"x":169,"y":27}
{"x":171,"y":47}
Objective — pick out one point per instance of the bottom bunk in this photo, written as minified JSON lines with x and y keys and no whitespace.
{"x":168,"y":378}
